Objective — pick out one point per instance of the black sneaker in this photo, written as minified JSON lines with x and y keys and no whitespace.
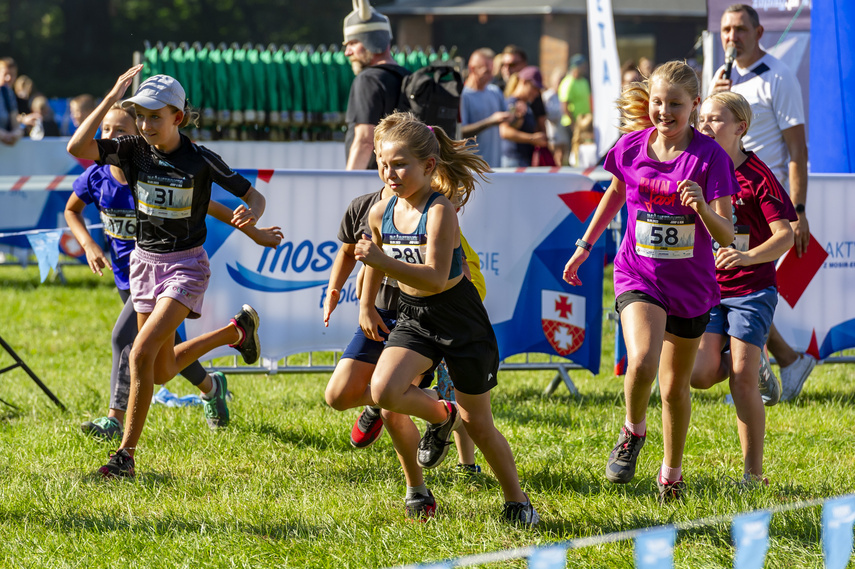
{"x":247,"y":322}
{"x":120,"y":465}
{"x":434,"y":444}
{"x":367,"y":428}
{"x":421,"y":507}
{"x":621,"y":466}
{"x":216,"y":408}
{"x":520,"y":513}
{"x":670,"y":491}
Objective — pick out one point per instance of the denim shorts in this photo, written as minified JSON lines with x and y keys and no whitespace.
{"x":746,"y":318}
{"x":365,"y":350}
{"x":182,"y":275}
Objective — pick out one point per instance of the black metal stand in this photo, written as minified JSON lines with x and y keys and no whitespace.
{"x":21,"y":364}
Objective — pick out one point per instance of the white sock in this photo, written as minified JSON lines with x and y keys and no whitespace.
{"x":210,"y":394}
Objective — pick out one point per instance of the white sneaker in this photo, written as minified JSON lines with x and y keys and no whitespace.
{"x":794,"y":375}
{"x":770,"y":389}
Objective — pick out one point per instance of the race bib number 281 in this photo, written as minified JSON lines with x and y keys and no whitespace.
{"x":661,"y":236}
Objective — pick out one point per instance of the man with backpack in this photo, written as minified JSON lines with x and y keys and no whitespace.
{"x":376,"y":90}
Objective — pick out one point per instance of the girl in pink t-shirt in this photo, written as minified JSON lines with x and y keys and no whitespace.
{"x":746,"y":275}
{"x":677,"y":185}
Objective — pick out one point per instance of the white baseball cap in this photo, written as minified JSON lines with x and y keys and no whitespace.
{"x":158,"y":91}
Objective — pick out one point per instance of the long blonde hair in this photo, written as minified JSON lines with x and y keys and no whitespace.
{"x":634,"y":102}
{"x":457,"y":163}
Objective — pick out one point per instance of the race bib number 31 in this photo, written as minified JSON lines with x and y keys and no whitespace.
{"x":661,"y":236}
{"x":165,"y":201}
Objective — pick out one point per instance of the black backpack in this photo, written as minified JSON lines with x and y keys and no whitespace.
{"x":433,"y":93}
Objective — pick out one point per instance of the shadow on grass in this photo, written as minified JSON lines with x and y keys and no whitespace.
{"x":296,"y":437}
{"x":145,"y":478}
{"x":109,"y":523}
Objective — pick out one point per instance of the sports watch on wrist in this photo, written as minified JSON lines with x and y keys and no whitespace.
{"x":800,"y":208}
{"x":584,"y":245}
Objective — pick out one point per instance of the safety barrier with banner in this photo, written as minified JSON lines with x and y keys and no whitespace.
{"x":521,"y":224}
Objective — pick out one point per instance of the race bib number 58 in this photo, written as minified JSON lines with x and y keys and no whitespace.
{"x":661,"y":236}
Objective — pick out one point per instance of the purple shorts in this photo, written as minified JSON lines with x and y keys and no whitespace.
{"x":182,"y":275}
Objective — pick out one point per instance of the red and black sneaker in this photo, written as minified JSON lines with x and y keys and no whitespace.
{"x":367,"y":428}
{"x":421,"y":507}
{"x":246,"y":321}
{"x":120,"y":465}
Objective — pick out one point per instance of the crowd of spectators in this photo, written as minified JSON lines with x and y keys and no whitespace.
{"x":25,"y":112}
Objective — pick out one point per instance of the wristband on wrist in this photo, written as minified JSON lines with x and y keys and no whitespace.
{"x":584,"y":245}
{"x":800,"y":208}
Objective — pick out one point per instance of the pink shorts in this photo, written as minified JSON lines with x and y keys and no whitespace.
{"x":182,"y":275}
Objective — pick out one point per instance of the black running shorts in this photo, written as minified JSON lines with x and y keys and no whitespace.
{"x":453,"y":325}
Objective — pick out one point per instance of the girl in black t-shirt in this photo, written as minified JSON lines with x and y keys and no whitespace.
{"x":171,"y":181}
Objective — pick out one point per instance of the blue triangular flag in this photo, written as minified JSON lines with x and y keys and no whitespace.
{"x":654,"y":549}
{"x":549,"y":557}
{"x":46,"y":247}
{"x":751,"y":538}
{"x":837,"y":518}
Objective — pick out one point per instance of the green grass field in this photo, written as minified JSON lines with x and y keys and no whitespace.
{"x":282,"y":486}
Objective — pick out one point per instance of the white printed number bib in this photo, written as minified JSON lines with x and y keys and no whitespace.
{"x":740,"y":240}
{"x":120,"y":223}
{"x":661,"y":236}
{"x":167,"y":201}
{"x":404,"y":248}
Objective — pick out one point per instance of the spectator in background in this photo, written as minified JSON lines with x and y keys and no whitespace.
{"x":483,"y":108}
{"x":513,"y":61}
{"x":645,"y":67}
{"x":40,"y":122}
{"x":24,"y":92}
{"x":628,"y":74}
{"x":375,"y":91}
{"x":10,"y":132}
{"x":79,"y":108}
{"x":520,"y":135}
{"x":556,"y":133}
{"x":575,"y":93}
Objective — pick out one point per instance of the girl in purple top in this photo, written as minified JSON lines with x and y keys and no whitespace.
{"x":677,"y":185}
{"x":746,"y":275}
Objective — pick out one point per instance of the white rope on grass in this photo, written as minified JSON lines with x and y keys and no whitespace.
{"x":578,"y":543}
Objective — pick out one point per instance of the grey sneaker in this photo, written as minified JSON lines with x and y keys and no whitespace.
{"x":434,"y":444}
{"x":670,"y":491}
{"x":770,"y":389}
{"x":103,"y":428}
{"x":522,"y":513}
{"x":216,"y":408}
{"x":621,"y":466}
{"x":247,"y":321}
{"x":794,"y":375}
